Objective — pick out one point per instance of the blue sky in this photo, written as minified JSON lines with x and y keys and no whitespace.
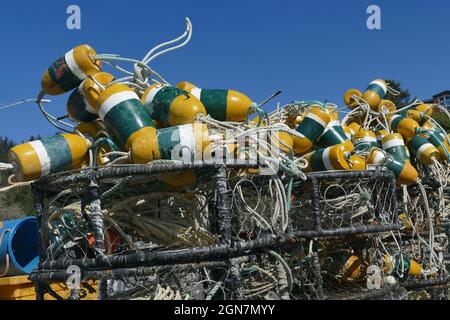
{"x":308,"y":49}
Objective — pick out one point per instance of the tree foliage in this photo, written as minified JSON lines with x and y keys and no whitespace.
{"x":442,"y":119}
{"x":17,"y":202}
{"x":400,"y":100}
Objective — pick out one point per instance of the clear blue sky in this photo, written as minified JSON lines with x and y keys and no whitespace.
{"x":309,"y":49}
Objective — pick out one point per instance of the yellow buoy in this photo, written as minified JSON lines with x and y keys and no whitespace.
{"x":404,"y":171}
{"x":386,"y":106}
{"x":351,"y":129}
{"x":380,"y":135}
{"x":68,"y":71}
{"x":425,"y":108}
{"x":221,"y":104}
{"x":394,"y":145}
{"x":331,"y":158}
{"x":183,"y":143}
{"x":81,"y":102}
{"x":357,"y":163}
{"x":349,"y":100}
{"x":407,"y":127}
{"x":423,"y":150}
{"x":365,"y":139}
{"x":123,"y":114}
{"x":91,"y":129}
{"x":283,"y":141}
{"x":375,"y":93}
{"x":417,"y":116}
{"x":39,"y":158}
{"x":310,"y":129}
{"x":375,"y":157}
{"x":171,"y":106}
{"x":441,"y":142}
{"x":428,"y":125}
{"x":334,"y":134}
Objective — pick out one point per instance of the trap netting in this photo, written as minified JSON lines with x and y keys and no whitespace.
{"x":333,"y":203}
{"x":231,"y":233}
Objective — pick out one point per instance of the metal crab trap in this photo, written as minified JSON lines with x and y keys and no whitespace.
{"x":231,"y":234}
{"x":128,"y":217}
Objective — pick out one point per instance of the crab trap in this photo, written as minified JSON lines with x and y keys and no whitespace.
{"x":234,"y":234}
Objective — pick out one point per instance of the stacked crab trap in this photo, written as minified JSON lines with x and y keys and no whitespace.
{"x":164,"y":191}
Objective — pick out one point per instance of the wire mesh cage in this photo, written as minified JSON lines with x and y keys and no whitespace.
{"x":345,"y":203}
{"x":230,"y":233}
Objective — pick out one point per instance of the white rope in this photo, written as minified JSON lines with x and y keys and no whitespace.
{"x":6,"y":166}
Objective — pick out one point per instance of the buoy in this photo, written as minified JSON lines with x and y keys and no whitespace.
{"x":417,"y":116}
{"x":171,"y":106}
{"x":283,"y":141}
{"x":357,"y":163}
{"x":403,"y":217}
{"x":344,"y":265}
{"x":293,"y":121}
{"x":351,"y":129}
{"x":440,"y":141}
{"x":331,"y":158}
{"x":428,"y":125}
{"x":405,"y":173}
{"x":183,"y":142}
{"x":394,"y":145}
{"x":39,"y":158}
{"x":423,"y":150}
{"x":365,"y":140}
{"x":91,"y":129}
{"x":81,"y":103}
{"x":312,"y":126}
{"x":123,"y":114}
{"x":402,"y":266}
{"x":77,"y":108}
{"x":407,"y":127}
{"x":375,"y":93}
{"x":425,"y":108}
{"x":352,"y":268}
{"x":386,"y":106}
{"x":349,"y":101}
{"x":221,"y":104}
{"x":334,"y":134}
{"x":375,"y":157}
{"x":68,"y":71}
{"x":334,"y":115}
{"x":380,"y":135}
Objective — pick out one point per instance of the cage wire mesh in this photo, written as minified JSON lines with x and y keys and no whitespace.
{"x":237,"y":234}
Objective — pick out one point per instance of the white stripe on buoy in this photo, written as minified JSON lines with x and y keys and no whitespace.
{"x":316,"y":119}
{"x":196,"y":92}
{"x":393,"y":143}
{"x":151,"y":95}
{"x":326,"y":159}
{"x":382,"y":84}
{"x":114,"y":100}
{"x":42,"y":154}
{"x":379,"y":158}
{"x":423,"y":148}
{"x":73,"y":65}
{"x":366,"y":139}
{"x":187,"y":139}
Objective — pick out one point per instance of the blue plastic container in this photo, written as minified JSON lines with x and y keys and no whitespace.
{"x":18,"y":247}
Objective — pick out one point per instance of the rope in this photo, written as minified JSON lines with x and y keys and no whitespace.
{"x":6,"y":166}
